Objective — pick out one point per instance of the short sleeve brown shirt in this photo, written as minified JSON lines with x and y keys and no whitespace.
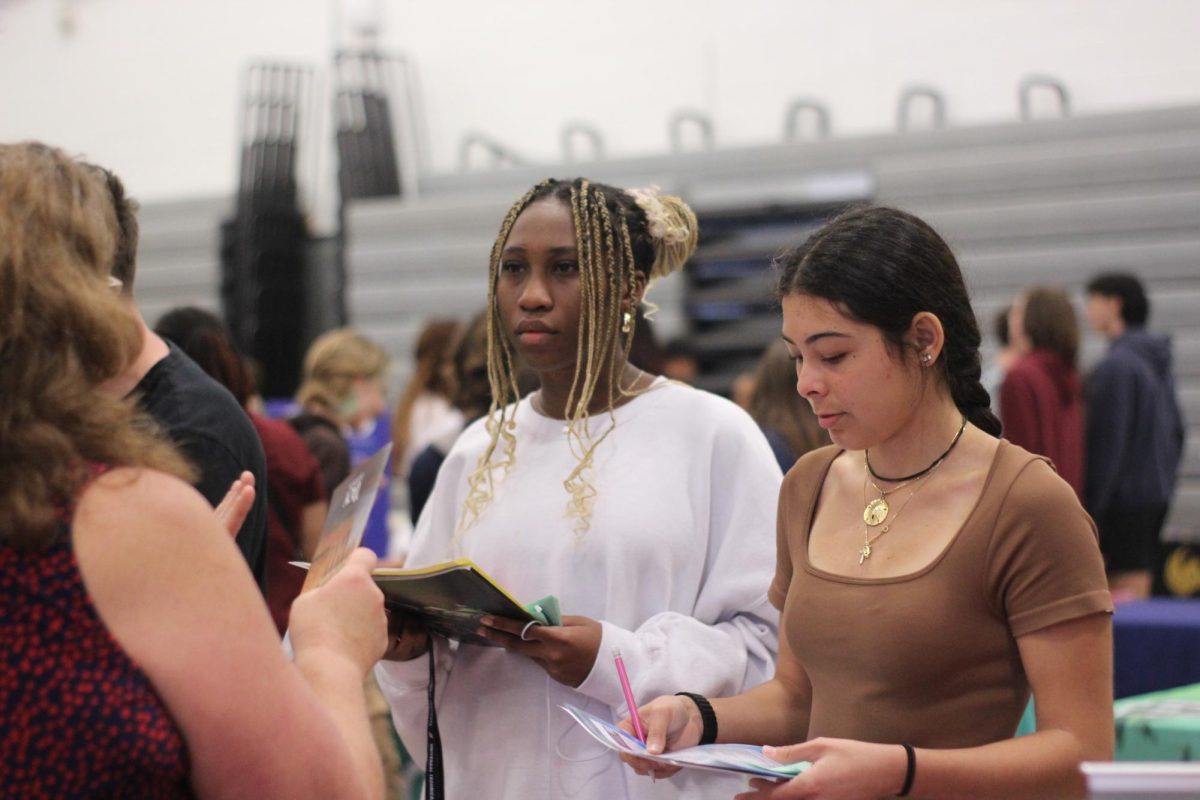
{"x":931,"y":658}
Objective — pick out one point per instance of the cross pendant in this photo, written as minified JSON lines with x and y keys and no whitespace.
{"x":864,"y":553}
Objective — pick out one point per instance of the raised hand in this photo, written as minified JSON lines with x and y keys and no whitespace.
{"x":236,"y":504}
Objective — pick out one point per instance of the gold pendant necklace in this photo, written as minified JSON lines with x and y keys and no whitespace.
{"x":864,"y":552}
{"x":875,"y":512}
{"x":878,"y":509}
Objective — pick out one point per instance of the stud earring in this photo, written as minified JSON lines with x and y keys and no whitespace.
{"x":626,"y":322}
{"x":927,"y":359}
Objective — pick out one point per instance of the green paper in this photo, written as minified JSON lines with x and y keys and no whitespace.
{"x":546,"y":610}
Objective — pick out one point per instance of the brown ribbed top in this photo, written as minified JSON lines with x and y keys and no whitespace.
{"x":930,"y":658}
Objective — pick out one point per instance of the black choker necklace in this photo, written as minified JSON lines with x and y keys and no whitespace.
{"x":922,"y":473}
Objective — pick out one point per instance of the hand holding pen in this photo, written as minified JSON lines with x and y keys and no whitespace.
{"x":634,"y":719}
{"x":669,"y":723}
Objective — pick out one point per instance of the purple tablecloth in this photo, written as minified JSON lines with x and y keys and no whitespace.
{"x":1156,"y":645}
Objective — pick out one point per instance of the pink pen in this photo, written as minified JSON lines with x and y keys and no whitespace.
{"x":638,"y":730}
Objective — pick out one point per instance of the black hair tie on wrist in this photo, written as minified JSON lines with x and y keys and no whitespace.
{"x":911,"y":771}
{"x":707,"y":716}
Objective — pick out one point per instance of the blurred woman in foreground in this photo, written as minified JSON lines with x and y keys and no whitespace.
{"x":140,"y":660}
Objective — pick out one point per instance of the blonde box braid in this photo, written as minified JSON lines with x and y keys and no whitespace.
{"x":608,"y":253}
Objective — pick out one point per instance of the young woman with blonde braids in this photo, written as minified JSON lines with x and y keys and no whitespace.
{"x":645,"y":506}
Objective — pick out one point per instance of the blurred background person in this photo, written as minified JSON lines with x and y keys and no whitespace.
{"x":139,"y":658}
{"x":341,"y":394}
{"x":1041,"y":397}
{"x":470,"y":395}
{"x":741,"y":390}
{"x":296,"y":496}
{"x":679,"y":362}
{"x":791,"y":428}
{"x":1135,"y":432}
{"x":342,"y":400}
{"x":645,"y":352}
{"x":1002,"y":358}
{"x":424,"y":412}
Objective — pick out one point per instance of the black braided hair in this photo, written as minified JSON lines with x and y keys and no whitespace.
{"x":883,"y":266}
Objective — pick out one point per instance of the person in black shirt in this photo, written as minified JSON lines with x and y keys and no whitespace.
{"x":195,"y":412}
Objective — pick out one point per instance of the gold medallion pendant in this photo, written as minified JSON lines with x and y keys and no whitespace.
{"x":876,"y":512}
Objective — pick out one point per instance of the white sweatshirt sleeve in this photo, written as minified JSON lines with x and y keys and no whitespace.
{"x":729,"y":641}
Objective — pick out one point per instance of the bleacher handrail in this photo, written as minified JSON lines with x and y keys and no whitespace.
{"x":573,"y":130}
{"x":500,"y":153}
{"x":1031,"y":82}
{"x":698,"y":118}
{"x":791,"y":118}
{"x":909,"y":94}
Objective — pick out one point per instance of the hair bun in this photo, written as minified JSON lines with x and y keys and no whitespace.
{"x":672,"y":227}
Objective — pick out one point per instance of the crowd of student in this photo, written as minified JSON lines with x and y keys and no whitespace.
{"x":813,"y":613}
{"x":1116,"y":438}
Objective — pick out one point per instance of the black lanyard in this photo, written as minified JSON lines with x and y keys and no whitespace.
{"x":433,"y":740}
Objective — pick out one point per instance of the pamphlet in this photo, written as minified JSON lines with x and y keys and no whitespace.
{"x":744,"y":758}
{"x":349,"y":508}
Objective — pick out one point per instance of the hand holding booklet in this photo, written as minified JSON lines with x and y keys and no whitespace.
{"x":449,"y":598}
{"x":747,"y":759}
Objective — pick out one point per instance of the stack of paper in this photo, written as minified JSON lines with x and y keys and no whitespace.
{"x":744,"y":758}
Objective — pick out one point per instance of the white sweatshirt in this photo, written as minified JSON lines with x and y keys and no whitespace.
{"x":676,"y":566}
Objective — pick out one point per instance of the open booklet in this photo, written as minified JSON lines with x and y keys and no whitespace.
{"x":451,"y":597}
{"x":744,"y":758}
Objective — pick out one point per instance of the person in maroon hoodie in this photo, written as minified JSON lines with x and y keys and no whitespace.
{"x":1041,"y":398}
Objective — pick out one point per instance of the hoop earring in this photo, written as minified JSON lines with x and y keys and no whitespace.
{"x":627,"y":323}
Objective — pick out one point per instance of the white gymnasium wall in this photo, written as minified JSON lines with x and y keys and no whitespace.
{"x":151,"y":87}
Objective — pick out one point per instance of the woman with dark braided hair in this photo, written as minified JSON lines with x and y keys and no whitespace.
{"x":930,"y":575}
{"x":645,"y":506}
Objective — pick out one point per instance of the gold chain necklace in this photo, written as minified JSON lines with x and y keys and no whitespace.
{"x":864,"y":552}
{"x":876,"y":511}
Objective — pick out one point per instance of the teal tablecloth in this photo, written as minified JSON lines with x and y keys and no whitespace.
{"x":1160,"y":726}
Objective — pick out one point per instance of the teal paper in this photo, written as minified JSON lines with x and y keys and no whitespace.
{"x":546,"y":610}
